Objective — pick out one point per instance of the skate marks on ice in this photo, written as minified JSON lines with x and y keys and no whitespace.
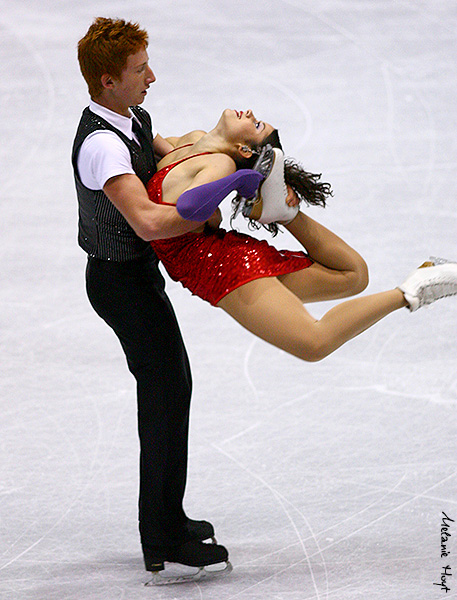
{"x":356,"y":465}
{"x":322,"y":487}
{"x":33,"y":98}
{"x":371,"y":510}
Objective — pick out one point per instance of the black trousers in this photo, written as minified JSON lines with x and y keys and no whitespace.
{"x":130,"y":297}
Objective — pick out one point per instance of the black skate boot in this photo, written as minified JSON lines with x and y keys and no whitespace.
{"x":201,"y":530}
{"x":190,"y":561}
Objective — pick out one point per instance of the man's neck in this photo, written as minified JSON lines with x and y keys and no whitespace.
{"x":108,"y":103}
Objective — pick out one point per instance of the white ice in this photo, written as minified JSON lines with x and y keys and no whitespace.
{"x":325,"y":481}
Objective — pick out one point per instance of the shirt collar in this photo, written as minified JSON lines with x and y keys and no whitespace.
{"x":122,"y":123}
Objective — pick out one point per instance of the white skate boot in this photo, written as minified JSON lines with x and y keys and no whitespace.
{"x":269,"y":204}
{"x":435,"y":279}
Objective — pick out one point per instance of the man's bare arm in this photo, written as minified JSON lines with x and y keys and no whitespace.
{"x":150,"y":221}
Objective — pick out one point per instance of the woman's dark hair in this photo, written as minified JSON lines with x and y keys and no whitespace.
{"x":306,"y":185}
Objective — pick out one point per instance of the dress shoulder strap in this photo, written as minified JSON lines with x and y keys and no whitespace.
{"x":154,"y":186}
{"x":179,"y":148}
{"x":181,"y":160}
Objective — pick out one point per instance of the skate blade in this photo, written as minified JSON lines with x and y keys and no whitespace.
{"x":251,"y":208}
{"x":176,"y":573}
{"x":436,"y":260}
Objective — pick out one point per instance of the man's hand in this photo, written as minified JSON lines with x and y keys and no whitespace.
{"x":161,"y":146}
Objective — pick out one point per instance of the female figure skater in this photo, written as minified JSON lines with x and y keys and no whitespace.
{"x":260,"y":287}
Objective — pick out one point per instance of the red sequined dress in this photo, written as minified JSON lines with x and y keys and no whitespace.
{"x":212,"y":264}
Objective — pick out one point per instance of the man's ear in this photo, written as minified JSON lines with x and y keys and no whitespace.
{"x":107,"y":81}
{"x":244,"y":150}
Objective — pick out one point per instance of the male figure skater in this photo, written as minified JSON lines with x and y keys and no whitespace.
{"x":113,"y":158}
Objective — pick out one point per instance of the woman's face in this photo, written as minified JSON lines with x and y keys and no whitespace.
{"x":242,"y":127}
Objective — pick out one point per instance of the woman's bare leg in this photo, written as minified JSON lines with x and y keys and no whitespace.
{"x":338,"y":272}
{"x":272,"y":312}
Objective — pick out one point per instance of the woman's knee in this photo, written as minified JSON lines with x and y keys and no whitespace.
{"x":357,"y":277}
{"x":315,"y":349}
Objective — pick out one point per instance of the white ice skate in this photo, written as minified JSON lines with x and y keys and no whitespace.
{"x":177,"y":573}
{"x":435,"y":279}
{"x":269,"y":204}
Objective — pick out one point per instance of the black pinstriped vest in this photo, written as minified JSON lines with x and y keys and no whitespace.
{"x":102,"y":231}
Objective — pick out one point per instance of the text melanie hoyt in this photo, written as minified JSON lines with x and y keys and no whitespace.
{"x":446,"y":570}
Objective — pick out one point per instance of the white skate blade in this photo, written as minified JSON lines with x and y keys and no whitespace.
{"x":177,"y":573}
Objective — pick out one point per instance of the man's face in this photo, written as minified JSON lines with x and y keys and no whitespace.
{"x":131,"y":88}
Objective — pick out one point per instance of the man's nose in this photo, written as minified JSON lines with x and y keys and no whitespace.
{"x":150,"y":75}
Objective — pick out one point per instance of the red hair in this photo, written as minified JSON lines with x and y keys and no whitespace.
{"x":105,"y":49}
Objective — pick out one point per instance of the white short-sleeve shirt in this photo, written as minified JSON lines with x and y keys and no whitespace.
{"x":103,"y":154}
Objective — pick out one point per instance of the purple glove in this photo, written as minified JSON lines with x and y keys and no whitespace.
{"x":199,"y":203}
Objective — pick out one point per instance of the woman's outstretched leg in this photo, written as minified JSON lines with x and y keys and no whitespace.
{"x":271,"y":311}
{"x":338,"y":272}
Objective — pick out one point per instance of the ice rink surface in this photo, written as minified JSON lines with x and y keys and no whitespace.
{"x":325,"y":481}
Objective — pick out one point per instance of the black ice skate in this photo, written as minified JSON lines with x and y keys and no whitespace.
{"x":201,"y":530}
{"x":189,"y":562}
